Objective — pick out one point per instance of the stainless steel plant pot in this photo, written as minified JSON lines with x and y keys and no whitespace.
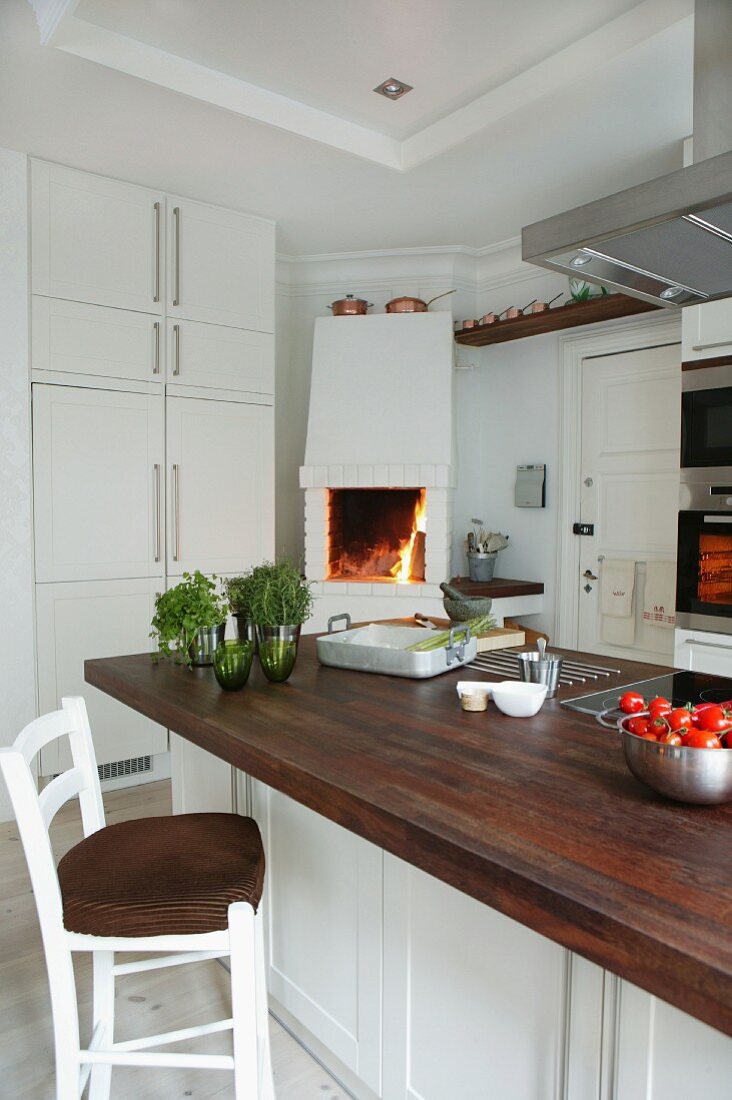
{"x":246,"y":631}
{"x":203,"y":646}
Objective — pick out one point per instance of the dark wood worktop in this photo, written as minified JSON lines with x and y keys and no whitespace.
{"x":538,"y":818}
{"x":499,"y":588}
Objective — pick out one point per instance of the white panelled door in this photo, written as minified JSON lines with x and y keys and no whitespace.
{"x":221,"y":266}
{"x":99,"y":483}
{"x":220,"y":473}
{"x":631,"y":410}
{"x":95,"y":240}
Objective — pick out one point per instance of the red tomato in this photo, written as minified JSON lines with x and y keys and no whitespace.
{"x":670,"y":737}
{"x":638,"y":725}
{"x":650,"y":737}
{"x":657,"y":724}
{"x":631,"y":702}
{"x":702,"y":739}
{"x":679,"y":718}
{"x":715,"y":720}
{"x":659,"y":705}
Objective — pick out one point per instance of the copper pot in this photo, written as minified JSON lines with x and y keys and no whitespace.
{"x":541,"y":307}
{"x":413,"y":305}
{"x":350,"y":306}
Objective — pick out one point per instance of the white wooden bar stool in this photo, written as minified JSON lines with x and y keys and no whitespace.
{"x":189,"y":884}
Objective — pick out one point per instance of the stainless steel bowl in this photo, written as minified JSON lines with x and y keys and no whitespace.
{"x":701,"y":776}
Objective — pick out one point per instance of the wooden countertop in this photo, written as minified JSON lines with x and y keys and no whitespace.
{"x":538,"y":818}
{"x":499,"y":588}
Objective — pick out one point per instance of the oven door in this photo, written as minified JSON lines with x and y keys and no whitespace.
{"x":706,"y":417}
{"x":704,"y":570}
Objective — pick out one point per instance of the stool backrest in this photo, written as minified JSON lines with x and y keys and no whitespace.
{"x":34,"y":812}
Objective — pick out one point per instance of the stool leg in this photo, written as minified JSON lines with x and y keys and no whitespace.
{"x":65,"y":1016}
{"x":101,"y":1075}
{"x":260,"y":989}
{"x":241,"y":939}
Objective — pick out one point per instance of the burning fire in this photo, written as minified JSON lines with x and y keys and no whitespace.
{"x":411,"y":554}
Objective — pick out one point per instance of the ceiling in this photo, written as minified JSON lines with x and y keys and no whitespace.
{"x":519,"y":110}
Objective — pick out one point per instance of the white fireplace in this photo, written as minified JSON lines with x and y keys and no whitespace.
{"x":380,"y":465}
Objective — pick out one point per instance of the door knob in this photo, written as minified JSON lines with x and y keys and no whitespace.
{"x":589,"y":482}
{"x":589,"y":574}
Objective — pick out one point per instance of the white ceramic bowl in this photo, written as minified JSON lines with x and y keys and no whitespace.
{"x":518,"y":699}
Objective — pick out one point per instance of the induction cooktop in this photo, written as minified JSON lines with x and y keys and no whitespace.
{"x":679,"y":687}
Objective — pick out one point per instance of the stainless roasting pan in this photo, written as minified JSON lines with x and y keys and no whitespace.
{"x":384,"y":649}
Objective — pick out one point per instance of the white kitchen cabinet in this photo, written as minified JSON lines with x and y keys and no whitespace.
{"x":220,"y":357}
{"x":663,"y":1054}
{"x":220,"y":474}
{"x":80,"y":620}
{"x":703,"y":651}
{"x":706,"y":330}
{"x":220,"y":266}
{"x":473,"y":1001}
{"x":77,"y":338}
{"x":98,"y":472}
{"x":323,"y":919}
{"x":95,"y":240}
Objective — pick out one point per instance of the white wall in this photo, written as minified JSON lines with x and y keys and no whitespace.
{"x":17,"y":661}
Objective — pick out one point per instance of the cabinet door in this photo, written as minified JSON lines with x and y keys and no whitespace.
{"x":77,"y":338}
{"x":98,"y":483}
{"x":322,"y":905}
{"x":95,"y":239}
{"x":706,"y":330}
{"x":700,"y":651}
{"x":220,"y":357}
{"x":221,"y":266}
{"x":663,"y":1054}
{"x":220,"y":457}
{"x":79,"y":621}
{"x":473,"y":1001}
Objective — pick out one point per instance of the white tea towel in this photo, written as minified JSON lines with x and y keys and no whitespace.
{"x":617,"y":581}
{"x":619,"y":632}
{"x":659,"y":600}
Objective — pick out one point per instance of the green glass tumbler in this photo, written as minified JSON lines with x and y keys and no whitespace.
{"x":278,"y":650}
{"x":232,"y":662}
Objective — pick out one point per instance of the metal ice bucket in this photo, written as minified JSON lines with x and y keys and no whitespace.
{"x":536,"y":668}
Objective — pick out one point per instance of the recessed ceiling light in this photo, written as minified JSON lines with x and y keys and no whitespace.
{"x":393,"y":89}
{"x":580,"y":261}
{"x":672,"y":292}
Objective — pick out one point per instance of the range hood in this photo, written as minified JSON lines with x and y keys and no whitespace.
{"x":668,"y":241}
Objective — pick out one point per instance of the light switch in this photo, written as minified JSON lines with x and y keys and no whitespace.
{"x":531,"y":486}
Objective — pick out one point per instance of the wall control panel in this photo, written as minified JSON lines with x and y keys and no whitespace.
{"x":531,"y":486}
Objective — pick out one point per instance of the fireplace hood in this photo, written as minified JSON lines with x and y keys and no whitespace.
{"x":668,"y":241}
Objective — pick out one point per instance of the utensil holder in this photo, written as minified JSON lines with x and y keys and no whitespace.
{"x":481,"y":566}
{"x":535,"y":670}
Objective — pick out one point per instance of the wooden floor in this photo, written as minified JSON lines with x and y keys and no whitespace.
{"x":145,"y":1003}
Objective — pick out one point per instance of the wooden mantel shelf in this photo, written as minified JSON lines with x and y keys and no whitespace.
{"x":607,"y":308}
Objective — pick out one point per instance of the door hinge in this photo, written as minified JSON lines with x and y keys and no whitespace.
{"x":583,"y":528}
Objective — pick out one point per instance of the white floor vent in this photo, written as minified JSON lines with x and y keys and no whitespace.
{"x":118,"y":768}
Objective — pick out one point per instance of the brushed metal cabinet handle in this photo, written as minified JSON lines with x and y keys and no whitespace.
{"x":176,"y":260}
{"x":176,"y":350}
{"x":709,"y":645}
{"x":156,"y":475}
{"x":156,"y":288}
{"x":156,"y":337}
{"x":176,"y":512}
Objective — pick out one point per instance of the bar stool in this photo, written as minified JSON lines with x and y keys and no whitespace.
{"x":188,"y":884}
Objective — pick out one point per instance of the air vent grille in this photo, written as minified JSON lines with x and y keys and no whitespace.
{"x":117,"y":768}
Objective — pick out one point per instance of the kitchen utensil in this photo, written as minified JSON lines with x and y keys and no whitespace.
{"x":473,"y":685}
{"x":453,"y":593}
{"x":472,"y":607}
{"x":701,"y":776}
{"x":488,"y":318}
{"x":384,"y":649}
{"x":350,"y":306}
{"x":536,"y":668}
{"x":519,"y":700}
{"x":413,"y":305}
{"x":481,"y":566}
{"x":540,"y":307}
{"x":515,"y":311}
{"x":232,"y":663}
{"x":468,"y":324}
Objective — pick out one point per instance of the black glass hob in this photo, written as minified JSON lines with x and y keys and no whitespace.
{"x":679,"y":687}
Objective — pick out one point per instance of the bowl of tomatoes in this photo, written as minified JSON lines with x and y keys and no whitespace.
{"x":684,"y":753}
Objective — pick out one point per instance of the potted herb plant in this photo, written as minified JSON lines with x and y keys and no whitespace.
{"x":280,"y":601}
{"x":239,"y":594}
{"x":190,"y":620}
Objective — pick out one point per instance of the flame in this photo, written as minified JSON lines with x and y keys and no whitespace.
{"x":402,"y":571}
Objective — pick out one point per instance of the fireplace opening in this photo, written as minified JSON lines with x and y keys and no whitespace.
{"x":376,"y":534}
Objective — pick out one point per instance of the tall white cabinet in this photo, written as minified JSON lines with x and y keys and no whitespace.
{"x":152,"y":363}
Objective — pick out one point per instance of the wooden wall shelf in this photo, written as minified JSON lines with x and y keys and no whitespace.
{"x":607,"y":308}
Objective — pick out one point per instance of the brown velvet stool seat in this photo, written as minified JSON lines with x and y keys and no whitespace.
{"x":162,"y":876}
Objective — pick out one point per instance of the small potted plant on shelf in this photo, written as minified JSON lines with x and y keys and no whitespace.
{"x":280,"y":601}
{"x":190,"y":620}
{"x":239,"y":594}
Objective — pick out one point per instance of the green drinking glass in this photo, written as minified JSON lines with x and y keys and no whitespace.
{"x":277,"y":651}
{"x":232,"y":662}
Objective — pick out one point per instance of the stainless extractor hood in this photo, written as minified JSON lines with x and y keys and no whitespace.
{"x":668,"y":241}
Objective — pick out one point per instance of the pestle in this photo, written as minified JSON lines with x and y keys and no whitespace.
{"x":453,"y":593}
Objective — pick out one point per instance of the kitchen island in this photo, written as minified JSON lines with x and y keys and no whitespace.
{"x":536,"y":821}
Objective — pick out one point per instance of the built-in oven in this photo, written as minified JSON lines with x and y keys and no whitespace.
{"x":704,"y":563}
{"x":706,"y":417}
